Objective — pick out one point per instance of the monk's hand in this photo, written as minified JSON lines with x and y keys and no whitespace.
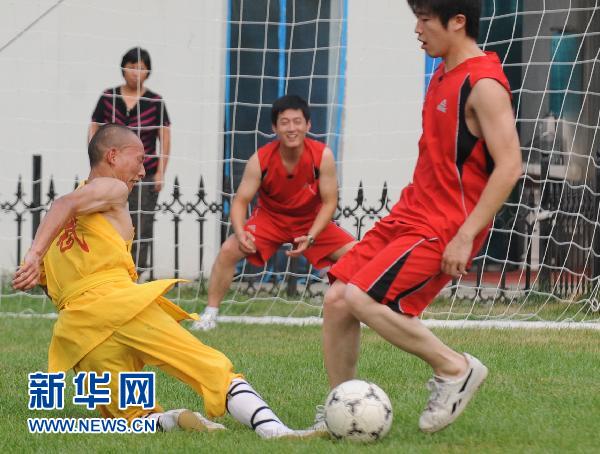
{"x":246,"y":242}
{"x":302,"y":243}
{"x":27,"y":275}
{"x":456,"y":255}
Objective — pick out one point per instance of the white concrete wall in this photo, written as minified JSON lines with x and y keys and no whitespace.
{"x":52,"y":76}
{"x":384,"y":93}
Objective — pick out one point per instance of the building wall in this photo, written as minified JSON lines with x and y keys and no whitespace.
{"x":382,"y":121}
{"x":51,"y":78}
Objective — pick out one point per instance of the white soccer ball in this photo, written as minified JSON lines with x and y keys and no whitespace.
{"x":357,"y":410}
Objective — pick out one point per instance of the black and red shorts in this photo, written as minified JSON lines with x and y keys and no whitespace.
{"x":270,"y":231}
{"x":396,"y":265}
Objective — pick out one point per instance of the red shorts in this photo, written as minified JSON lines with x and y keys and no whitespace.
{"x":395,"y":265}
{"x":271,"y":231}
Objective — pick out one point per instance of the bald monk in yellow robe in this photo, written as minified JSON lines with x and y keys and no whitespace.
{"x":108,"y":322}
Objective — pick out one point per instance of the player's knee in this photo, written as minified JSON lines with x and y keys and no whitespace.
{"x":356,"y":300}
{"x":334,"y":299}
{"x":230,"y":251}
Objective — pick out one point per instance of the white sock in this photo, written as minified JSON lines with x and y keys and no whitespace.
{"x":209,"y":310}
{"x":247,"y":407}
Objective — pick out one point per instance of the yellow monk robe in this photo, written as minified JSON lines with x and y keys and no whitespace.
{"x":107,"y":322}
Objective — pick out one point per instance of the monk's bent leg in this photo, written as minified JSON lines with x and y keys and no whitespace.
{"x":160,"y":341}
{"x":113,"y":357}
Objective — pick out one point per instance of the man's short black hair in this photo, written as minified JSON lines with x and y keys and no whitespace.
{"x":286,"y":102}
{"x":447,"y":9}
{"x":134,"y":55}
{"x":108,"y":135}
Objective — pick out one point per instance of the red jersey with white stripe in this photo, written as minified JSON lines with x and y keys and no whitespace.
{"x":453,"y":165}
{"x":293,"y":194}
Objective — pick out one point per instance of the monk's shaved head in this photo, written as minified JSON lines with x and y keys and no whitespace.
{"x":108,"y":136}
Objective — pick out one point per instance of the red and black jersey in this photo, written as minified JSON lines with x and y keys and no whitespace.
{"x":453,"y":166}
{"x":293,"y":194}
{"x":145,"y":119}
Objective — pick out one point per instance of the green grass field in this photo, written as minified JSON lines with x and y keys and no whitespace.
{"x":542,"y":395}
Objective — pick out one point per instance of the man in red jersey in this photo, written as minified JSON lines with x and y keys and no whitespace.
{"x":469,"y":160}
{"x":297,"y":195}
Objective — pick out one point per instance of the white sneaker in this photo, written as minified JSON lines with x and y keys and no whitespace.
{"x":179,"y":419}
{"x":186,"y":420}
{"x":207,"y":322}
{"x":449,"y":398}
{"x":211,"y":426}
{"x":320,"y":425}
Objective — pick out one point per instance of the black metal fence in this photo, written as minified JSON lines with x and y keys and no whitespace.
{"x":564,"y":216}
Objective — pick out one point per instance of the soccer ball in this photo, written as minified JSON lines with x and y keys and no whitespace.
{"x":358,"y":411}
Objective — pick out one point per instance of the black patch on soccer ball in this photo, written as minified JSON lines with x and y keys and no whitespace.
{"x":376,"y":433}
{"x":351,"y":404}
{"x":371,"y":394}
{"x":334,"y":398}
{"x":388,"y":411}
{"x":355,"y":430}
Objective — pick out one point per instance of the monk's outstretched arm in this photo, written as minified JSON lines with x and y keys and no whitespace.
{"x":101,"y":194}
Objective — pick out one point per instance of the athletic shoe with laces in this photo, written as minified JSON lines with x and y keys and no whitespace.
{"x":320,"y":425}
{"x":186,"y":420}
{"x":450,"y":397}
{"x":208,"y":321}
{"x":211,"y":426}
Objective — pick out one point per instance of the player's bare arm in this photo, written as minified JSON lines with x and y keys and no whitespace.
{"x":491,"y":118}
{"x":328,"y":190}
{"x":239,"y":207}
{"x":102,"y":194}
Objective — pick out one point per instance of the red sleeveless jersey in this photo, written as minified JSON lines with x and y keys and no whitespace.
{"x":290,"y":194}
{"x":453,"y":166}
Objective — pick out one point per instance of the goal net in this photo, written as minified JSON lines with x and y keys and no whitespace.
{"x":220,"y":64}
